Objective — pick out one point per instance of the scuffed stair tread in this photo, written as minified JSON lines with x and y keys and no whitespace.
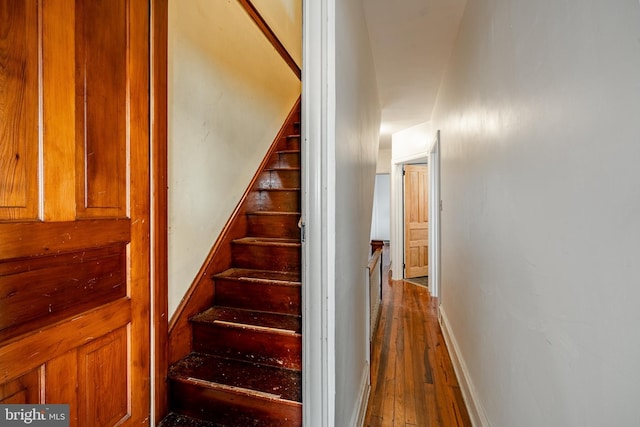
{"x":267,"y":241}
{"x":177,"y":420}
{"x":280,"y":383}
{"x":284,"y":323}
{"x":278,"y":189}
{"x":245,"y":274}
{"x":282,"y":168}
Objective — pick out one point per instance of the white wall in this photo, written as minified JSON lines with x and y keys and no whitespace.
{"x":357,"y":124}
{"x":539,"y":114}
{"x":383,"y":164}
{"x":381,"y":219}
{"x":412,"y":143}
{"x":229,"y":93}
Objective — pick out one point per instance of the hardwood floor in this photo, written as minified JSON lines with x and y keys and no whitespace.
{"x":413,"y":383}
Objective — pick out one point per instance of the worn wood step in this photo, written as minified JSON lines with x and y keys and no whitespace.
{"x":291,"y":142}
{"x":267,"y":338}
{"x":285,"y":159}
{"x":245,"y":376}
{"x":276,"y":199}
{"x":179,"y":420}
{"x":266,"y":253}
{"x":230,"y":407}
{"x":270,"y":291}
{"x":274,"y":224}
{"x":279,"y":178}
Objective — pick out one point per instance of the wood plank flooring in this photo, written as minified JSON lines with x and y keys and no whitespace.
{"x":413,"y":383}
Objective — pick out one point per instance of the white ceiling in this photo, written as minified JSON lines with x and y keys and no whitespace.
{"x":411,"y":41}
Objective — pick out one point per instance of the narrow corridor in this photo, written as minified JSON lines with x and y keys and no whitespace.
{"x":413,"y":383}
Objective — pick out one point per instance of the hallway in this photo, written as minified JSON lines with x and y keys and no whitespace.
{"x":412,"y":380}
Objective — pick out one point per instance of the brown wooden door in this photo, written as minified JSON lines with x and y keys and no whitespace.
{"x":74,"y":207}
{"x":416,"y":220}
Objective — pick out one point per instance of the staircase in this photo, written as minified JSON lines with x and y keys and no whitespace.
{"x":245,"y":364}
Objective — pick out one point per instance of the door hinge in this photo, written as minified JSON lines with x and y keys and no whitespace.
{"x":302,"y":227}
{"x":440,"y":205}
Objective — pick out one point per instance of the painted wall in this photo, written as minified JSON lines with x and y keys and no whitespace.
{"x":357,"y":124}
{"x":285,"y":19}
{"x":229,"y":93}
{"x":381,"y":219}
{"x":539,"y":112}
{"x":383,"y":164}
{"x":412,"y":143}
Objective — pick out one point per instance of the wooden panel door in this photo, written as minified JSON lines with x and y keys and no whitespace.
{"x":74,"y":207}
{"x":416,"y":220}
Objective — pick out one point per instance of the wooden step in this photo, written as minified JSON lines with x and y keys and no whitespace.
{"x":291,"y":142}
{"x":279,"y":178}
{"x":179,"y":420}
{"x":274,"y":224}
{"x":285,"y":159}
{"x":276,"y":199}
{"x":259,"y":290}
{"x":280,"y":383}
{"x":267,"y":338}
{"x":266,"y":253}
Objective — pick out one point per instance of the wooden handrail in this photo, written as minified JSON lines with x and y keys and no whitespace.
{"x":270,"y":35}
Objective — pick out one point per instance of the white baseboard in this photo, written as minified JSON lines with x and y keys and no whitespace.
{"x":469,"y":393}
{"x":360,"y":410}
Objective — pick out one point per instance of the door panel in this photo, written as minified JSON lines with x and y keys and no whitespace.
{"x":416,"y":222}
{"x":101,"y":77}
{"x":18,"y":110}
{"x":74,"y":244}
{"x":21,"y":390}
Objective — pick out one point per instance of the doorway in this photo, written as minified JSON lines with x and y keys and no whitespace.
{"x":416,"y":220}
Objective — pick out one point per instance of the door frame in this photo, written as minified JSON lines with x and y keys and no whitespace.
{"x":159,"y":220}
{"x":404,"y":218}
{"x":318,"y":212}
{"x":435,"y":207}
{"x":318,"y":111}
{"x":431,"y":156}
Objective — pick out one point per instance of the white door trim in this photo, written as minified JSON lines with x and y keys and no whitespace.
{"x":434,"y":218}
{"x":318,"y":213}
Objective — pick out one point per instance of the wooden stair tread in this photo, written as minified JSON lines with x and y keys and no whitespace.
{"x":273,"y":213}
{"x":277,"y":189}
{"x":178,"y":420}
{"x":267,"y":241}
{"x":283,"y":168}
{"x":270,"y":382}
{"x":249,"y":275}
{"x":277,"y":323}
{"x":287,"y":151}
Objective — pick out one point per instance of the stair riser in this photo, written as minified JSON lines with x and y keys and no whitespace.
{"x":275,"y":258}
{"x":285,"y":160}
{"x":232,"y":409}
{"x":258,"y":296}
{"x":285,"y":226}
{"x":279,"y":350}
{"x":291,"y":142}
{"x":274,"y":200}
{"x":279,"y":179}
